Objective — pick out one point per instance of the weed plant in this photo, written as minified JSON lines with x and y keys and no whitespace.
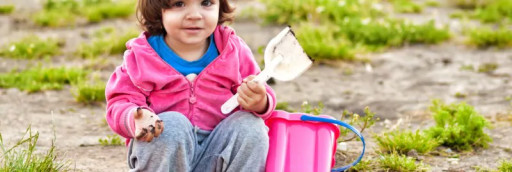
{"x":325,"y":43}
{"x":505,"y":166}
{"x":283,"y":106}
{"x":495,"y":11}
{"x":308,"y":109}
{"x":363,"y":165}
{"x":487,"y":67}
{"x":31,"y":47}
{"x":396,"y":162}
{"x":486,"y":37}
{"x":6,"y":9}
{"x":432,"y":3}
{"x":291,"y":11}
{"x":458,"y":126}
{"x":89,"y":93}
{"x":469,"y":4}
{"x":356,"y":120}
{"x":341,"y":29}
{"x":106,"y":41}
{"x":406,"y":6}
{"x":402,"y":142}
{"x":111,"y":140}
{"x":37,"y":79}
{"x":58,"y":13}
{"x":20,"y":158}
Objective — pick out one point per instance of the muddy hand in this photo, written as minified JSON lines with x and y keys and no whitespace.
{"x":147,"y":125}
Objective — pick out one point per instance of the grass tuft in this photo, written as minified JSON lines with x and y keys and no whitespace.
{"x":495,"y":11}
{"x":486,"y":37}
{"x":406,"y":6}
{"x":505,"y":166}
{"x":106,"y":41}
{"x":487,"y":67}
{"x":402,"y":142}
{"x":31,"y":47}
{"x":396,"y":162}
{"x":111,"y":140}
{"x":58,"y":13}
{"x":20,"y":158}
{"x":458,"y":126}
{"x":6,"y":9}
{"x":89,"y":93}
{"x":37,"y":79}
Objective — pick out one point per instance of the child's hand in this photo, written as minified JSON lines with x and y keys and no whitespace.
{"x":147,"y":125}
{"x":252,"y":96}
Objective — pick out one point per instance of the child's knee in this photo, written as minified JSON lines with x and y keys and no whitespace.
{"x":174,"y":119}
{"x":249,"y":125}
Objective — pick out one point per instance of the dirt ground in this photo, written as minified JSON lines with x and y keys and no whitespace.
{"x":398,"y":84}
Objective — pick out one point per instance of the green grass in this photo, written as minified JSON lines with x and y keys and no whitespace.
{"x":106,"y":41}
{"x":406,"y":6}
{"x":291,"y":11}
{"x":284,"y":106}
{"x":342,"y":29}
{"x":363,"y":165}
{"x":469,"y":4}
{"x":22,"y":156}
{"x":111,"y":140}
{"x":402,"y":142}
{"x":505,"y":166}
{"x":37,"y":79}
{"x":458,"y":126}
{"x":495,"y":11}
{"x":89,"y":93}
{"x":58,"y":13}
{"x":31,"y":47}
{"x":325,"y":43}
{"x":314,"y":110}
{"x":396,"y":162}
{"x":360,"y":121}
{"x":432,"y":3}
{"x":486,"y":37}
{"x":6,"y":9}
{"x":487,"y":67}
{"x":460,"y":95}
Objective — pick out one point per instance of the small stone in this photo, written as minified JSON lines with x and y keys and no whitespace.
{"x":342,"y":146}
{"x":413,"y":153}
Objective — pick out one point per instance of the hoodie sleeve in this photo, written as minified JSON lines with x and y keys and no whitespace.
{"x":249,"y":66}
{"x":122,"y":98}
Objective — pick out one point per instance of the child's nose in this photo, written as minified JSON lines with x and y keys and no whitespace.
{"x":194,"y":13}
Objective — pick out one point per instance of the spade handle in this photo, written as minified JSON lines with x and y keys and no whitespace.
{"x":232,"y":102}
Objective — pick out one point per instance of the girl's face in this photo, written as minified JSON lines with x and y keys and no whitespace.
{"x":190,"y":22}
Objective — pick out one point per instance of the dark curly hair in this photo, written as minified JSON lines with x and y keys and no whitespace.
{"x":149,"y":14}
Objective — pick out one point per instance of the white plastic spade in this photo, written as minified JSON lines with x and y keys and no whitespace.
{"x":284,"y":60}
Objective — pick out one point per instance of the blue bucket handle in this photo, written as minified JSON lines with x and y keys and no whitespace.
{"x":341,"y":123}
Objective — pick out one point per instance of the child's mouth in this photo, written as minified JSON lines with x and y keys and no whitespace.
{"x":192,"y":30}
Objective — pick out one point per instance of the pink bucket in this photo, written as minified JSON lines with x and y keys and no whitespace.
{"x":300,"y":142}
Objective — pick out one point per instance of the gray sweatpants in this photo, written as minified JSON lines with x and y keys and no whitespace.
{"x":238,"y":143}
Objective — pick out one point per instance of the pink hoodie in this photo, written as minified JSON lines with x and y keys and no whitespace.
{"x":145,"y":80}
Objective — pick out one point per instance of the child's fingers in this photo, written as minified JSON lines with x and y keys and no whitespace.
{"x":256,"y":88}
{"x":149,"y":137}
{"x":241,"y":101}
{"x":159,"y":127}
{"x":244,"y":88}
{"x":142,"y":134}
{"x":243,"y":94}
{"x":249,"y":78}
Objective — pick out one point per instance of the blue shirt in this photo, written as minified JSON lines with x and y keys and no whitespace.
{"x":185,"y":67}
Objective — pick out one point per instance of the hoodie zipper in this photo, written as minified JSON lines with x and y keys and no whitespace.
{"x":192,"y":98}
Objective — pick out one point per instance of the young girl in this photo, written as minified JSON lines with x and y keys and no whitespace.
{"x":166,"y":96}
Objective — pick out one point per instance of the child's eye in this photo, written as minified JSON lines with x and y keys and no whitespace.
{"x":178,"y":4}
{"x":206,"y":3}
